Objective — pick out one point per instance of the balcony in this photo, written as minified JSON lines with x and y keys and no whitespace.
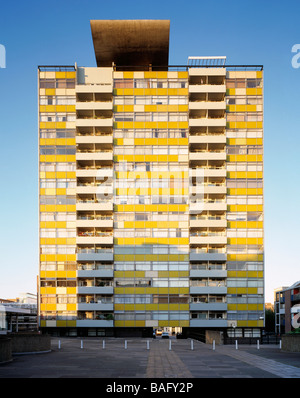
{"x":105,"y":88}
{"x":206,"y":155}
{"x":204,"y":105}
{"x":94,"y":222}
{"x":96,"y":306}
{"x":207,"y":139}
{"x":208,"y":240}
{"x":208,"y":189}
{"x":97,"y":155}
{"x":208,"y":273}
{"x":213,"y":323}
{"x":94,"y":105}
{"x":208,"y":306}
{"x":94,"y":255}
{"x":208,"y":223}
{"x":99,"y":122}
{"x":94,"y":139}
{"x":207,"y":88}
{"x":94,"y":323}
{"x":92,"y":286}
{"x":95,"y":240}
{"x":218,"y":205}
{"x":93,"y":206}
{"x":205,"y":121}
{"x":204,"y":256}
{"x":96,"y":173}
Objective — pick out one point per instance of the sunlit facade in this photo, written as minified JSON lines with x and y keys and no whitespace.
{"x":151,"y":193}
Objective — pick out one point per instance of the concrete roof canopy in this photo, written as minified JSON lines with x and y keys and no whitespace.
{"x":131,"y":42}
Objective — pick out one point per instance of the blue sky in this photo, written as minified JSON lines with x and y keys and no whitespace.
{"x":58,"y":32}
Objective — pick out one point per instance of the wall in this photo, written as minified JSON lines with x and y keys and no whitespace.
{"x":5,"y":349}
{"x":291,"y":342}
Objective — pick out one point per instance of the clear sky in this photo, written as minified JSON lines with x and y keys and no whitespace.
{"x":58,"y":32}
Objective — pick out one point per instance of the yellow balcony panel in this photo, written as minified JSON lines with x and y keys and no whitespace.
{"x":129,"y":324}
{"x":252,"y":290}
{"x":129,"y":307}
{"x":71,"y":307}
{"x":242,"y":307}
{"x":174,"y":290}
{"x":184,"y":290}
{"x":241,"y":290}
{"x":231,"y":307}
{"x":172,"y":307}
{"x":51,"y":307}
{"x":252,"y":307}
{"x":119,"y":324}
{"x":129,"y":290}
{"x":242,"y":324}
{"x":50,"y":290}
{"x":163,"y":323}
{"x":50,"y":91}
{"x":140,"y":324}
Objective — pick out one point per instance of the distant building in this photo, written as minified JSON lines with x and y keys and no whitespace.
{"x":287,"y":308}
{"x":19,"y":314}
{"x":269,"y":306}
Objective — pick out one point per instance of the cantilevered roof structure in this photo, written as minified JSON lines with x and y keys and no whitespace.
{"x":131,"y":42}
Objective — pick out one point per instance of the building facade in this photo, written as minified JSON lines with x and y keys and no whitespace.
{"x":287,"y":308}
{"x":151,"y":190}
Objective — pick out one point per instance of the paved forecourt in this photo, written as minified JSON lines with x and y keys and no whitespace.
{"x":152,"y":358}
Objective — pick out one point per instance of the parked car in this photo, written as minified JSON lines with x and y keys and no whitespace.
{"x":159,"y":332}
{"x":165,"y":335}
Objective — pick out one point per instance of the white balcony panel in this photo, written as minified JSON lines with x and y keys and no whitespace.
{"x":195,"y":105}
{"x":94,"y":139}
{"x":207,"y":71}
{"x":202,"y":172}
{"x":208,"y":223}
{"x":95,"y":273}
{"x":91,"y":189}
{"x":94,"y":223}
{"x":210,"y":122}
{"x":208,"y":290}
{"x":94,"y":156}
{"x":208,"y":307}
{"x":95,"y":257}
{"x":94,"y":240}
{"x":208,"y":189}
{"x":214,"y":323}
{"x":95,"y":290}
{"x":94,"y":323}
{"x":207,"y":88}
{"x":207,"y":139}
{"x":95,"y":307}
{"x":208,"y":256}
{"x":207,"y":155}
{"x":203,"y":240}
{"x":94,"y":206}
{"x":198,"y":207}
{"x":105,"y":122}
{"x":205,"y":273}
{"x":94,"y":173}
{"x":93,"y":105}
{"x":94,"y":88}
